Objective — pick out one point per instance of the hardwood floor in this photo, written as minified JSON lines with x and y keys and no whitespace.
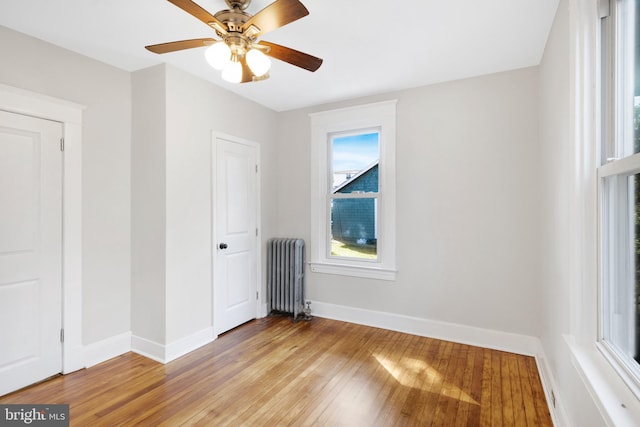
{"x":273,"y":372}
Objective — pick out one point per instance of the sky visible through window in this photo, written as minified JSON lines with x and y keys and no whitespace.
{"x":353,"y":153}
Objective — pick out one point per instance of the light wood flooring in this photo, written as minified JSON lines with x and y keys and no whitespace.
{"x":274,"y":372}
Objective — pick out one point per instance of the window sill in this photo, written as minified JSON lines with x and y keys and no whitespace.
{"x":354,"y":271}
{"x":616,"y":402}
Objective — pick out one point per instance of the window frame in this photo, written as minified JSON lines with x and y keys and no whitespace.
{"x":616,"y":164}
{"x":380,"y":116}
{"x":614,"y":240}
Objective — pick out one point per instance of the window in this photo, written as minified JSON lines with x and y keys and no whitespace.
{"x":353,"y":197}
{"x":353,"y":191}
{"x":619,"y":190}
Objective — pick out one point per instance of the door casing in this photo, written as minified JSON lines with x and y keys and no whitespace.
{"x":29,"y":103}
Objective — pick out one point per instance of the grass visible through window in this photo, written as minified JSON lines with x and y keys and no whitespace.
{"x":353,"y":251}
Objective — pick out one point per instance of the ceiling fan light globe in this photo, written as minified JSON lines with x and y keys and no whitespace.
{"x":232,"y":72}
{"x":258,"y":62}
{"x":218,"y":55}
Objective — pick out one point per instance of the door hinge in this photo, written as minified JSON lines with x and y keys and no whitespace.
{"x":61,"y":144}
{"x":256,"y":294}
{"x":61,"y":335}
{"x":256,"y":168}
{"x":256,"y":232}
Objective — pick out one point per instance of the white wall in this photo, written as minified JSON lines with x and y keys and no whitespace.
{"x":32,"y":64}
{"x":148,"y":205}
{"x":175,"y":114}
{"x":468,"y":204}
{"x":195,"y":108}
{"x":555,"y":176}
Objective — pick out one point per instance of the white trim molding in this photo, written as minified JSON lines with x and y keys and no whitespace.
{"x":189,"y":343}
{"x":147,"y":348}
{"x":471,"y":335}
{"x":549,"y":384}
{"x":166,"y":353}
{"x":106,"y":349}
{"x":614,"y":399}
{"x":353,"y":270}
{"x":70,"y":115}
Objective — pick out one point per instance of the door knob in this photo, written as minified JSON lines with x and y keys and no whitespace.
{"x":223,"y":246}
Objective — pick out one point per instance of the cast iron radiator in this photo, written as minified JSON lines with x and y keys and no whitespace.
{"x":285,"y":282}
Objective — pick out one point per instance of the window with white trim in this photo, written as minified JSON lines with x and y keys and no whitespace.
{"x":619,"y":190}
{"x":353,"y":191}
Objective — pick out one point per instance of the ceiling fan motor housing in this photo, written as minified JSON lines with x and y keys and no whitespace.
{"x":238,"y":4}
{"x":234,"y":19}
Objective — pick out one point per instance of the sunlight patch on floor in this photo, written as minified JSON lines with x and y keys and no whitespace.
{"x":414,"y":373}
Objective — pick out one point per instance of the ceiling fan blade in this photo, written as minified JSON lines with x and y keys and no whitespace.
{"x":292,"y":56}
{"x":179,"y":45}
{"x":200,"y":13}
{"x":277,"y":14}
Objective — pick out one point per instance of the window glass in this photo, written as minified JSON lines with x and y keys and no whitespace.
{"x":621,"y":322}
{"x":351,"y":155}
{"x":354,"y":194}
{"x":628,"y":77}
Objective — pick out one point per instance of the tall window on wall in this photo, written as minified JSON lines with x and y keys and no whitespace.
{"x":353,"y":191}
{"x":619,"y":189}
{"x":353,"y":196}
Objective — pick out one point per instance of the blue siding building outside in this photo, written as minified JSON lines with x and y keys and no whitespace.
{"x":354,"y":220}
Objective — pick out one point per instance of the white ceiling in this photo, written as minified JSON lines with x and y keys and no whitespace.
{"x":368,"y":46}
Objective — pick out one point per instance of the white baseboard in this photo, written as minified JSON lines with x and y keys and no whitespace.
{"x":189,"y":343}
{"x":148,"y":348}
{"x":558,"y":415}
{"x":497,"y":340}
{"x":73,"y":358}
{"x":107,"y":349}
{"x":263,"y":310}
{"x":166,"y":353}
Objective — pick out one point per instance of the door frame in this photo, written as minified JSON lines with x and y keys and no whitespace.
{"x":33,"y":104}
{"x":260,"y":312}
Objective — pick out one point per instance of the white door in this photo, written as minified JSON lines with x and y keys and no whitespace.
{"x":235,"y":233}
{"x":30,"y":250}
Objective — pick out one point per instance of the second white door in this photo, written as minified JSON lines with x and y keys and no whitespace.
{"x":30,"y":250}
{"x":235,"y":233}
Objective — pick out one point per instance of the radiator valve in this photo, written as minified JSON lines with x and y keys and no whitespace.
{"x":307,"y":311}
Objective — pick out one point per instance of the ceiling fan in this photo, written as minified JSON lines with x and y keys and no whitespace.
{"x":240,"y":56}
